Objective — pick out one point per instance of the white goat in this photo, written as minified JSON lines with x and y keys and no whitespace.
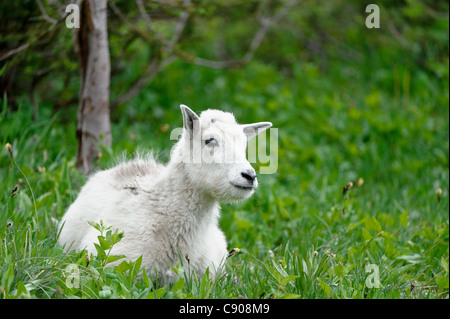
{"x":168,"y":211}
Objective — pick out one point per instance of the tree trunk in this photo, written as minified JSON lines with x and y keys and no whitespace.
{"x":94,"y":127}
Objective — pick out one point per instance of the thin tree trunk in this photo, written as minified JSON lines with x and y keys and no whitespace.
{"x":94,"y":125}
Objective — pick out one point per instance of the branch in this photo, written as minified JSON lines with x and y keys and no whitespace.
{"x":28,"y":44}
{"x":155,"y":64}
{"x":144,"y":13}
{"x":44,"y":13}
{"x":264,"y":24}
{"x":14,"y":51}
{"x":181,"y":25}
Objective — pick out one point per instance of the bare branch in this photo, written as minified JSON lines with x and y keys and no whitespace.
{"x":179,"y":28}
{"x":264,"y":24}
{"x":155,"y":65}
{"x":148,"y":37}
{"x":144,"y":13}
{"x":28,"y":44}
{"x":14,"y":51}
{"x":44,"y":13}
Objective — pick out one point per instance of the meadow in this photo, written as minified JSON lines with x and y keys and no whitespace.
{"x":358,"y":206}
{"x":304,"y":234}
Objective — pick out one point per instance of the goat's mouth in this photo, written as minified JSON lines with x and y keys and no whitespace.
{"x":245,"y":188}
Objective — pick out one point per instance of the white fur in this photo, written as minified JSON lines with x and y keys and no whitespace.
{"x":166,"y":211}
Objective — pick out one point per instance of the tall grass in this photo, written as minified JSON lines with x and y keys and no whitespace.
{"x":300,"y":236}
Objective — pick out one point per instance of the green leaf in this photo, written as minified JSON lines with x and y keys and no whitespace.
{"x":326,"y":289}
{"x":366,"y":235}
{"x":404,"y":218}
{"x":113,"y":258}
{"x":157,"y":294}
{"x":339,"y":270}
{"x":135,"y":267}
{"x":100,"y":251}
{"x":146,"y":279}
{"x":95,"y":225}
{"x":443,"y":282}
{"x":426,"y":232}
{"x":288,"y":279}
{"x":116,"y":237}
{"x":21,"y":290}
{"x":205,"y":285}
{"x":105,"y":244}
{"x":105,"y":293}
{"x":123,"y":267}
{"x":372,"y":224}
{"x":178,"y":285}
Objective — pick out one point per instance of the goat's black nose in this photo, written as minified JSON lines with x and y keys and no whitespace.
{"x":249,"y":175}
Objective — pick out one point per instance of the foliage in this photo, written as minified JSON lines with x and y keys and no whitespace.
{"x":370,"y":108}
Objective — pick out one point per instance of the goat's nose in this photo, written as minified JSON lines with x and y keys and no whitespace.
{"x":249,"y":175}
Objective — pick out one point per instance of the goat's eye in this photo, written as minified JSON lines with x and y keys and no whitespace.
{"x":211,"y":142}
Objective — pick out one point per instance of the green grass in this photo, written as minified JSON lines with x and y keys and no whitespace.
{"x":299,"y":236}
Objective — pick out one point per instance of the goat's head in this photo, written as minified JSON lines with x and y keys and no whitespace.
{"x":213,"y":145}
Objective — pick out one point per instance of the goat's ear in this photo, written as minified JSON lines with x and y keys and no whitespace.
{"x":251,"y":130}
{"x":190,"y":119}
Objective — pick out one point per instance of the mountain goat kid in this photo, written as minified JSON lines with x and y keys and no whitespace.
{"x":167,"y":211}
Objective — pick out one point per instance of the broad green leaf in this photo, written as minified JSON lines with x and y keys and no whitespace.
{"x":443,"y":282}
{"x":157,"y":294}
{"x":114,"y":258}
{"x":339,"y":270}
{"x":123,"y":267}
{"x":326,"y":289}
{"x":116,"y":237}
{"x":372,"y":224}
{"x":21,"y":290}
{"x":426,"y":232}
{"x":105,"y":293}
{"x":100,"y":252}
{"x":135,"y":267}
{"x":205,"y":285}
{"x":404,"y":218}
{"x":366,"y":235}
{"x":288,"y":279}
{"x":145,"y":278}
{"x":95,"y":225}
{"x":178,"y":285}
{"x":105,"y":244}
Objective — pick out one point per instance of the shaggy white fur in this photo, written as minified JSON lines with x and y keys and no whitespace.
{"x":166,"y":211}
